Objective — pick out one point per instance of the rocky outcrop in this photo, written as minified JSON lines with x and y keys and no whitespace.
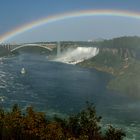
{"x":122,"y":52}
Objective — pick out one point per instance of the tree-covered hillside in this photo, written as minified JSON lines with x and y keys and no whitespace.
{"x":121,"y":58}
{"x":131,"y":42}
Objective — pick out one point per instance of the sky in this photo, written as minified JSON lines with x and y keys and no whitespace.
{"x":15,"y":13}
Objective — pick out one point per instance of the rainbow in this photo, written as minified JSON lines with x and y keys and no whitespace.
{"x":54,"y":18}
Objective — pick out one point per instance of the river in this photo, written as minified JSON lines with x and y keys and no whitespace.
{"x":62,"y":89}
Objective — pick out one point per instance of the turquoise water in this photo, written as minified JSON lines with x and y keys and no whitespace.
{"x":63,"y":89}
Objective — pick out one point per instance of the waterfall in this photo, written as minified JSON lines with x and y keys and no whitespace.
{"x":76,"y":55}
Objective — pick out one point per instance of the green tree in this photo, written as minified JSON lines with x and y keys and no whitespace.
{"x":114,"y":134}
{"x":86,"y":123}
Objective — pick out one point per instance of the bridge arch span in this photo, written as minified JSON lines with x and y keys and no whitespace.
{"x":34,"y":45}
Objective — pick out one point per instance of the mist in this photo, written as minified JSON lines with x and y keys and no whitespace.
{"x":77,"y":55}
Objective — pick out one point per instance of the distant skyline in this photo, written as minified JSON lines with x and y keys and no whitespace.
{"x":16,"y":13}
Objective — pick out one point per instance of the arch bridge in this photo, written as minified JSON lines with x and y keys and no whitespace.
{"x":45,"y":46}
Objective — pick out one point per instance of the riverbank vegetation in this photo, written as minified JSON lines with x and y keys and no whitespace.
{"x":33,"y":125}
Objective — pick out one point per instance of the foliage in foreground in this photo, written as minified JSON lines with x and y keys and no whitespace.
{"x":15,"y":125}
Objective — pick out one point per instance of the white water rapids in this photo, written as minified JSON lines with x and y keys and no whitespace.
{"x":79,"y":54}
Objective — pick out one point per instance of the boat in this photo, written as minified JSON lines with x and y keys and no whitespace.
{"x":23,"y":71}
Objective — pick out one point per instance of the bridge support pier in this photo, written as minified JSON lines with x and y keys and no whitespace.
{"x":58,"y":48}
